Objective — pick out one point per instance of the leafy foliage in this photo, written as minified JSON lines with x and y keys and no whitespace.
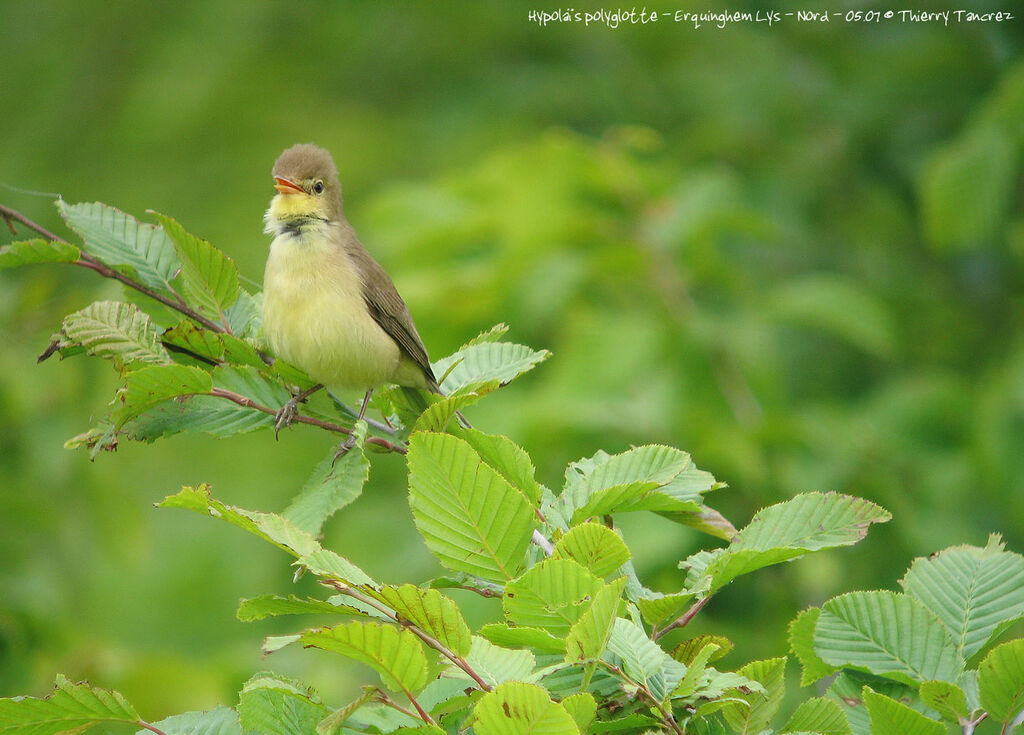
{"x":578,"y":641}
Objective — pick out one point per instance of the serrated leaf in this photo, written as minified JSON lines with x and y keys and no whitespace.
{"x":658,"y":608}
{"x":274,"y":705}
{"x":493,"y":334}
{"x":116,"y":331}
{"x":589,"y":634}
{"x":332,"y":724}
{"x":265,"y":606}
{"x":470,"y":517}
{"x":268,"y":526}
{"x":495,"y":664}
{"x":758,"y":708}
{"x":594,"y":546}
{"x":244,"y":315}
{"x":122,"y":242}
{"x":431,"y":612}
{"x":506,"y":458}
{"x":335,"y":482}
{"x":643,"y":660}
{"x":786,"y":531}
{"x":1001,"y":681}
{"x":976,"y":593}
{"x":150,"y":386}
{"x":818,"y":715}
{"x":889,"y":717}
{"x":550,"y":595}
{"x":439,"y":414}
{"x":215,"y":346}
{"x":687,"y":650}
{"x":510,"y":636}
{"x":397,"y":655}
{"x":486,"y":361}
{"x":25,"y":252}
{"x":518,"y":708}
{"x":217,"y":721}
{"x":208,"y":277}
{"x":583,"y":708}
{"x":632,"y":723}
{"x":326,"y":563}
{"x":945,"y":698}
{"x":887,"y":634}
{"x":695,"y":670}
{"x":801,"y":642}
{"x":71,"y":707}
{"x":846,"y":691}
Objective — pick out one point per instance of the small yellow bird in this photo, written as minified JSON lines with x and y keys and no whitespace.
{"x":328,"y":306}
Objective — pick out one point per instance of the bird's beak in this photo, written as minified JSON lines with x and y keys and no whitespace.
{"x":287,"y":187}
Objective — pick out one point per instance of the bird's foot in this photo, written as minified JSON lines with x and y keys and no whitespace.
{"x":286,"y":415}
{"x":344,"y":448}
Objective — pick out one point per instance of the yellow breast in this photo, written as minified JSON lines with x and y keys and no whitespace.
{"x":314,"y":315}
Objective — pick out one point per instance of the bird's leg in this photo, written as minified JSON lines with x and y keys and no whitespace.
{"x":350,"y":442}
{"x":290,"y":410}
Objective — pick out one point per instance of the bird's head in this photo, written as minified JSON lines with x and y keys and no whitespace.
{"x":306,"y":180}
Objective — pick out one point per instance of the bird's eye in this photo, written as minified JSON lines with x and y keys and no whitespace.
{"x":318,"y":187}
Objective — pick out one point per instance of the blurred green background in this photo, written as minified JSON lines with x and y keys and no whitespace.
{"x":795,"y":251}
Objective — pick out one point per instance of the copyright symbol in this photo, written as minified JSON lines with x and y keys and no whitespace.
{"x":888,"y":14}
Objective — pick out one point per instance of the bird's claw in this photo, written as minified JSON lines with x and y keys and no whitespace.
{"x":344,"y":448}
{"x":286,"y":415}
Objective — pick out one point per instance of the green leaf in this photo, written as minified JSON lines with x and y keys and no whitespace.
{"x":550,"y":595}
{"x":431,"y":612}
{"x":1001,"y":681}
{"x":643,"y":660}
{"x":122,"y":242}
{"x":471,"y":518}
{"x":801,"y":642}
{"x":947,"y":699}
{"x":889,"y":717}
{"x":267,"y":526}
{"x":326,"y":563}
{"x":976,"y":593}
{"x":334,"y":484}
{"x":495,"y":664}
{"x":786,"y":531}
{"x":265,"y":606}
{"x":440,"y":413}
{"x":686,"y":651}
{"x":605,"y":484}
{"x":583,"y":709}
{"x":273,"y":705}
{"x":589,"y":635}
{"x":818,"y":715}
{"x":486,"y":361}
{"x":966,"y":188}
{"x":214,"y":346}
{"x":244,"y":315}
{"x":594,"y":546}
{"x":695,"y":669}
{"x":518,"y":708}
{"x":217,"y":721}
{"x":150,"y":386}
{"x":209,"y":278}
{"x":25,"y":252}
{"x":506,"y":458}
{"x":658,"y":608}
{"x":494,"y":334}
{"x":332,"y":724}
{"x":510,"y":636}
{"x":839,"y":305}
{"x":397,"y":655}
{"x":758,"y":708}
{"x":116,"y":331}
{"x":887,"y":634}
{"x":70,"y":708}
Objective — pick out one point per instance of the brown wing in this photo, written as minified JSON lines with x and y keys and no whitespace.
{"x":389,"y":311}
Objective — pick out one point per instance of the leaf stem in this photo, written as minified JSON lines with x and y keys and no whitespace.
{"x":666,"y":714}
{"x":422,"y":635}
{"x":383,"y":698}
{"x":147,"y":726}
{"x":683,"y":619}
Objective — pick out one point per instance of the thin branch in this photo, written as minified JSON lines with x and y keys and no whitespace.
{"x":666,"y":715}
{"x":683,"y":619}
{"x":383,"y":698}
{"x":540,"y":540}
{"x":246,"y":402}
{"x":147,"y":726}
{"x":87,"y":261}
{"x":408,"y":624}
